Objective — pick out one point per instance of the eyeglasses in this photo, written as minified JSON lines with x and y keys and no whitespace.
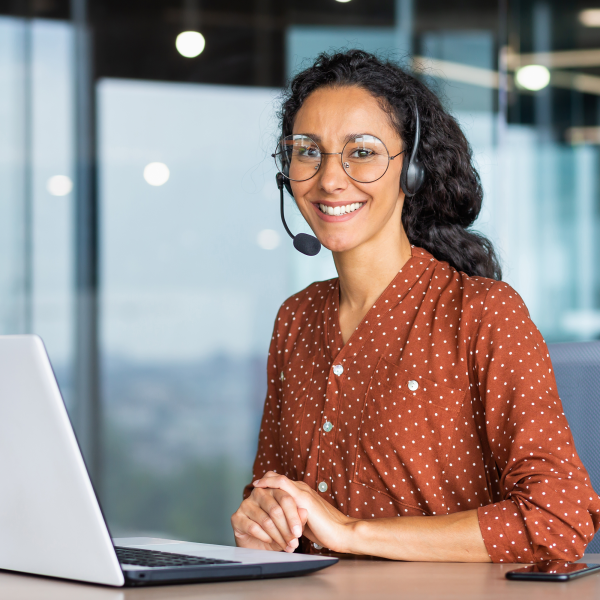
{"x":364,"y":157}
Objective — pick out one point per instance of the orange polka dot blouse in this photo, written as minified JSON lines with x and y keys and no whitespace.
{"x":442,"y":400}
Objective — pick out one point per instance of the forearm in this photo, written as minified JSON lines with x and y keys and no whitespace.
{"x":447,"y":538}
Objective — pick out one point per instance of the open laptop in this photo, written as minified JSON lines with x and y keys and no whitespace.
{"x":50,"y":520}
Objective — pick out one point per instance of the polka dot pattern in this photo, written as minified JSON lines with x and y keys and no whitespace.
{"x":445,"y":401}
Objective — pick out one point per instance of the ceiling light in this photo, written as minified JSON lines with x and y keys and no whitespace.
{"x":342,"y":0}
{"x":533,"y":77}
{"x":590,"y":17}
{"x":59,"y":185}
{"x":156,"y":174}
{"x":268,"y":239}
{"x":190,"y":43}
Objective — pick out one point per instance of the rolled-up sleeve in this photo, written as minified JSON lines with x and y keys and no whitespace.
{"x":548,"y":509}
{"x":268,"y":453}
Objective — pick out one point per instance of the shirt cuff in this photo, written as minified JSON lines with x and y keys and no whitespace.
{"x":504,"y":533}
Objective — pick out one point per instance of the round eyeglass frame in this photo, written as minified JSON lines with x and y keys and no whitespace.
{"x":390,"y":158}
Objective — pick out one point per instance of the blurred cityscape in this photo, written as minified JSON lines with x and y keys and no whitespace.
{"x":180,"y":443}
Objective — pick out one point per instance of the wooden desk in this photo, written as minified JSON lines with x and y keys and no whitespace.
{"x":345,"y":581}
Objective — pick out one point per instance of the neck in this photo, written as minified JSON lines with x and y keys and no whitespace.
{"x":366,"y":271}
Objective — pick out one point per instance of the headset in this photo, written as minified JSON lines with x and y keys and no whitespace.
{"x":411,"y":180}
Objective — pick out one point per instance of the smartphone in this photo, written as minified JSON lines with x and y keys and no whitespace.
{"x":553,"y":570}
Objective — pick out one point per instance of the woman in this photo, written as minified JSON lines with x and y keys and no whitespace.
{"x":412,"y":410}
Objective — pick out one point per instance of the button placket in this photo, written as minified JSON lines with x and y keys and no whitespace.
{"x":327,"y":447}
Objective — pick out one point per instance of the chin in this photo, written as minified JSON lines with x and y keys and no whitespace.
{"x":339,"y":243}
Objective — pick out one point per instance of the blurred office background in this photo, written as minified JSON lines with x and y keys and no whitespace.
{"x":139,"y":228}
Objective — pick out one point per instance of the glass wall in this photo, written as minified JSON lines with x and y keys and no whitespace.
{"x":36,"y":181}
{"x":193,"y":272}
{"x":192,"y":258}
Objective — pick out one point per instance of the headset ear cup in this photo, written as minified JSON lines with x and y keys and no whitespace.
{"x":415,"y":175}
{"x":413,"y":171}
{"x":412,"y":176}
{"x":403,"y":173}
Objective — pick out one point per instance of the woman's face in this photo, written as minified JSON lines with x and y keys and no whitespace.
{"x":330,"y":116}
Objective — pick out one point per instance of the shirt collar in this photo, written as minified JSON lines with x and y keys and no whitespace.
{"x":396,"y":291}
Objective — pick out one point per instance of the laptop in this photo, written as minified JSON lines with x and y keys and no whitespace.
{"x":50,"y":520}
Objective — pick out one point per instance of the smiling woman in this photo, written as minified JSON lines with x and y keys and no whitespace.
{"x":412,"y":410}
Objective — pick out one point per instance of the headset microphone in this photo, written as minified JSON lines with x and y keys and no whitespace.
{"x":307,"y":244}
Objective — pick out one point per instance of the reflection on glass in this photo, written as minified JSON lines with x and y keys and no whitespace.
{"x":59,"y":185}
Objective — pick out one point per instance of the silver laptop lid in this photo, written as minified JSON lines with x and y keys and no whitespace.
{"x":50,"y":520}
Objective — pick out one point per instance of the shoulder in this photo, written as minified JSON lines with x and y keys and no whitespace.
{"x":502,"y":299}
{"x":480,"y":297}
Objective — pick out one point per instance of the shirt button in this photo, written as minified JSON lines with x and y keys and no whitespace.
{"x":412,"y":385}
{"x":317,"y":546}
{"x":282,"y":376}
{"x":323,"y":487}
{"x":338,"y":370}
{"x":327,"y":426}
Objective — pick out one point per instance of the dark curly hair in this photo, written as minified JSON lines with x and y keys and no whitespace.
{"x":438,"y":216}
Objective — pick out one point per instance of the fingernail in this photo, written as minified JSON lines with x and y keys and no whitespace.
{"x":297,"y":530}
{"x":294,"y":543}
{"x":255,"y":482}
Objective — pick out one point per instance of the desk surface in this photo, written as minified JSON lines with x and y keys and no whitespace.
{"x":344,"y":581}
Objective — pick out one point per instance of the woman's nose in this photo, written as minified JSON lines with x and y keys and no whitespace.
{"x":331,"y":173}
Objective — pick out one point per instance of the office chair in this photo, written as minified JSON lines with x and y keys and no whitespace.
{"x":577,"y":369}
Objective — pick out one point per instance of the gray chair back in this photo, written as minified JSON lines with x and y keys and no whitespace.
{"x":577,"y":369}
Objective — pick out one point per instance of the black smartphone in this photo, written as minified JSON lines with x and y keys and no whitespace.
{"x":552,"y":570}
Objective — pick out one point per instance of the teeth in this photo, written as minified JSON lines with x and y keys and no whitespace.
{"x":339,"y":210}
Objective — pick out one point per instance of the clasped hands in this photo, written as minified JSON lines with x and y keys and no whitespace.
{"x":279,"y":511}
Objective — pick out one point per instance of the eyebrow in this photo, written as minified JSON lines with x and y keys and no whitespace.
{"x":347,"y":137}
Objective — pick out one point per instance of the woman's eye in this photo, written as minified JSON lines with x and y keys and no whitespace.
{"x":308,"y":152}
{"x":362,"y":153}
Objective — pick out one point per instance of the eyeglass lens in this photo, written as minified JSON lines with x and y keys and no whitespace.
{"x":364,"y":158}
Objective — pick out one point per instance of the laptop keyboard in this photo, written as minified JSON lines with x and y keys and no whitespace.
{"x":155,"y":558}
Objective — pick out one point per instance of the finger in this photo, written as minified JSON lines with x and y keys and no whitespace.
{"x":277,"y":482}
{"x":303,"y":513}
{"x":290,"y":511}
{"x":244,"y":526}
{"x":279,"y":515}
{"x":261,"y":517}
{"x":243,"y":540}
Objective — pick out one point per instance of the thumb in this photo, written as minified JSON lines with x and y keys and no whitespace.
{"x":303,"y":514}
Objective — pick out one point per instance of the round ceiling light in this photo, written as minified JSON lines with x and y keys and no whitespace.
{"x":268,"y":239}
{"x":156,"y":174}
{"x":190,"y":43}
{"x":590,"y":17}
{"x":59,"y":185}
{"x":533,"y":77}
